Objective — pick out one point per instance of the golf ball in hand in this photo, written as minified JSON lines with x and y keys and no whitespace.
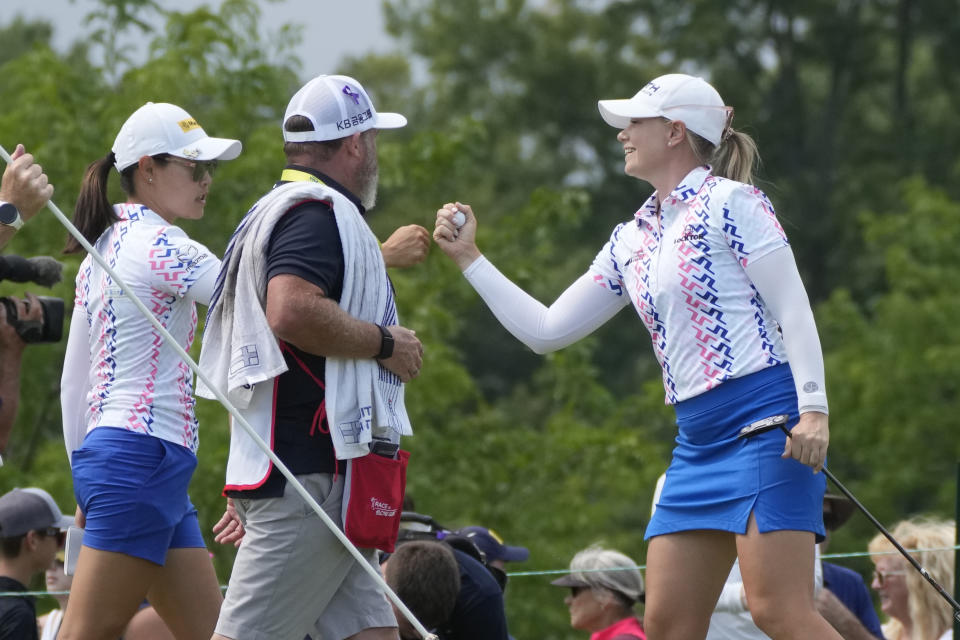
{"x":458,"y":218}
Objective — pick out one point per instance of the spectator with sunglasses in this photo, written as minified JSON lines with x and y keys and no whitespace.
{"x":31,"y":532}
{"x":127,"y":399}
{"x":915,"y":610}
{"x":605,"y":585}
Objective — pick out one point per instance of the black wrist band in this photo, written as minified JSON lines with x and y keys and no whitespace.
{"x":386,"y":344}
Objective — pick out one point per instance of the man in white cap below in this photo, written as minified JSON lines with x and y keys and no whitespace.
{"x":31,"y":525}
{"x":317,"y":368}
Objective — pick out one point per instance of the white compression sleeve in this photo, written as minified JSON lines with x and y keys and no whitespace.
{"x":75,"y":382}
{"x":202,"y":290}
{"x":777,"y":280}
{"x":579,"y":310}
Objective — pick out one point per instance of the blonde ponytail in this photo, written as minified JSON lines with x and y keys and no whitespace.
{"x":734,"y":158}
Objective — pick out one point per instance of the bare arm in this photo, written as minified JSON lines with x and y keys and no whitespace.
{"x":300,"y":313}
{"x":841,"y":618}
{"x":406,"y":246}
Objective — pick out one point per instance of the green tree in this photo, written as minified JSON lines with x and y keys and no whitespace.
{"x":894,"y":368}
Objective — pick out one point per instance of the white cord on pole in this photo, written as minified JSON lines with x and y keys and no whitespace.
{"x":170,"y":340}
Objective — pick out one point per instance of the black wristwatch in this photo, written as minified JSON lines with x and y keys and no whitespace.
{"x":10,"y":216}
{"x":386,"y":344}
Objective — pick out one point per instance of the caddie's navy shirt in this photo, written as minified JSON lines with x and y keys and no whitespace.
{"x":305,"y":243}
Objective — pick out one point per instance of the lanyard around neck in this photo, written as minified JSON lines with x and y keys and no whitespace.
{"x":295,"y":175}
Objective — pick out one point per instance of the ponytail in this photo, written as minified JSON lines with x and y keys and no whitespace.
{"x":733,"y":158}
{"x":93,"y":213}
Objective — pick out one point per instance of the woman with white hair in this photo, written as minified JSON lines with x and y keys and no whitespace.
{"x":916,"y":610}
{"x":605,"y":585}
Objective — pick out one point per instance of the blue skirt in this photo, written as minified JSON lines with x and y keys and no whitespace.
{"x":716,"y":480}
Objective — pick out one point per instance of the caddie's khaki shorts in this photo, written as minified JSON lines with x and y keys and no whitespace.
{"x":293,"y":577}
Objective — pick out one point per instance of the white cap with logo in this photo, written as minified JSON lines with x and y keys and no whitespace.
{"x":160,"y":127}
{"x":675,"y":96}
{"x":337,"y":106}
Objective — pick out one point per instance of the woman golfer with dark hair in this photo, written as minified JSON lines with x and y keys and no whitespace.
{"x":709,"y":271}
{"x":127,"y":399}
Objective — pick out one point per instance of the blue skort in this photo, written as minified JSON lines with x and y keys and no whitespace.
{"x":716,"y":479}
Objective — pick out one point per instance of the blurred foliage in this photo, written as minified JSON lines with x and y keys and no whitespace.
{"x":851,"y":102}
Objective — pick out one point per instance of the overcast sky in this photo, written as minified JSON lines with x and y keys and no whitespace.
{"x":349,"y":27}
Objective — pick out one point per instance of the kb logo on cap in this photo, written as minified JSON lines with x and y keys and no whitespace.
{"x":353,"y":94}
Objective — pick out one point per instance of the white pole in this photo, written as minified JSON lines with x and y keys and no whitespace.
{"x":239,"y":419}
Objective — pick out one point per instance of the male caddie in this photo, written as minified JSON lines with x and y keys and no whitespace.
{"x":303,"y":337}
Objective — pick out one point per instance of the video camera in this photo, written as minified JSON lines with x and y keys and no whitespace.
{"x":42,"y":270}
{"x":418,"y":526}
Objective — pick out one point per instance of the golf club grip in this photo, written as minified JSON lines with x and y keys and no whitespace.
{"x":913,"y":561}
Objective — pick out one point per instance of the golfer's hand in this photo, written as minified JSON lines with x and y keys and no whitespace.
{"x":407,"y":355}
{"x":458,"y":243}
{"x":25,"y":184}
{"x":229,"y":529}
{"x":406,"y":246}
{"x":809,"y":440}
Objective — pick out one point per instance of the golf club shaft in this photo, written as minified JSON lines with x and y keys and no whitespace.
{"x":916,"y":565}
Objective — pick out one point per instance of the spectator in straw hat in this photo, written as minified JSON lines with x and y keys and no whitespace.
{"x":605,"y":585}
{"x":31,"y":527}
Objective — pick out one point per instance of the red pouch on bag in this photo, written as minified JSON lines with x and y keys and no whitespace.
{"x":374,"y":500}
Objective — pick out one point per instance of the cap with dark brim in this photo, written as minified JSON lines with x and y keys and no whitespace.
{"x":842,"y":509}
{"x":569,"y":581}
{"x":514,"y":554}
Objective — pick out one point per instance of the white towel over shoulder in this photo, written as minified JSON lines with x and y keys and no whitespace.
{"x":363,"y":399}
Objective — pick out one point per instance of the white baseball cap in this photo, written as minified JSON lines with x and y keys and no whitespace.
{"x":675,"y":96}
{"x":337,"y":106}
{"x":160,"y":127}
